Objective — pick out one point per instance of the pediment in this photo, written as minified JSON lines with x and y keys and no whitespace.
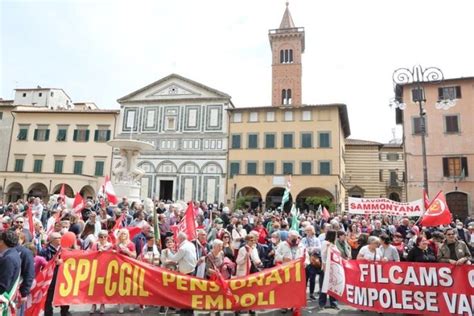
{"x":173,"y":87}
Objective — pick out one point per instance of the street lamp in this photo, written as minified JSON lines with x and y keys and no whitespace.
{"x":417,"y":77}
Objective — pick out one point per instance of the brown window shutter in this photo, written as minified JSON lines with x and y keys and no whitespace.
{"x":464,"y":166}
{"x":445,"y":167}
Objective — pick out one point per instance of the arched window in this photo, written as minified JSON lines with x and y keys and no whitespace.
{"x":282,"y":56}
{"x":290,"y":60}
{"x":286,"y":56}
{"x":283,"y":96}
{"x":288,"y":96}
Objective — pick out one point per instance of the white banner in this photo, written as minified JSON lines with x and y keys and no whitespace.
{"x":382,"y":206}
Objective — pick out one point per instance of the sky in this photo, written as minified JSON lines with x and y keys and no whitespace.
{"x":101,"y":50}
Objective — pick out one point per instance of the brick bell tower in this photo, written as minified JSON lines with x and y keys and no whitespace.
{"x":287,"y":43}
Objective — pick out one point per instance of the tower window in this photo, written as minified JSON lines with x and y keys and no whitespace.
{"x":286,"y":96}
{"x":286,"y":56}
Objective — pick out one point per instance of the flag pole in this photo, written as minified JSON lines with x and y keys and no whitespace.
{"x":156,"y":228}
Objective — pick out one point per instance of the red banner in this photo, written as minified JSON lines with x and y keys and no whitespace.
{"x":402,"y":287}
{"x":39,"y":289}
{"x":122,"y":280}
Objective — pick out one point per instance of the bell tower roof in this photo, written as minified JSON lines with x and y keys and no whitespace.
{"x":287,"y":20}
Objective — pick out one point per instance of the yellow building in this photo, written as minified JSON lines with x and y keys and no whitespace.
{"x":375,"y":170}
{"x":49,"y":147}
{"x":449,"y":142}
{"x":266,"y":144}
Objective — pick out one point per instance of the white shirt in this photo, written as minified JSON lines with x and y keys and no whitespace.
{"x":291,"y":253}
{"x":237,"y":237}
{"x":185,"y":257}
{"x":368,"y":255}
{"x":37,"y":211}
{"x":243,"y":262}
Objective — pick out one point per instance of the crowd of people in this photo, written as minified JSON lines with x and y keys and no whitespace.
{"x":228,"y":242}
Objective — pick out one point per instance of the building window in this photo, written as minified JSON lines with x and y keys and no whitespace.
{"x":455,"y":167}
{"x":270,"y":116}
{"x":449,"y":93}
{"x":41,"y":134}
{"x":24,"y":95}
{"x":58,"y":166}
{"x":306,"y":140}
{"x":306,"y":115}
{"x":253,"y":117}
{"x":235,"y":141}
{"x":78,"y":166}
{"x":287,"y":168}
{"x":101,"y":135}
{"x":99,"y":169}
{"x":269,"y":168}
{"x":81,"y":135}
{"x":269,"y":140}
{"x":287,"y":140}
{"x":324,"y":140}
{"x":286,"y":56}
{"x":52,"y":94}
{"x":170,"y":123}
{"x":252,"y":141}
{"x":392,"y":156}
{"x":251,"y":168}
{"x":1,"y":115}
{"x":62,"y":135}
{"x":451,"y":124}
{"x":38,"y":165}
{"x":19,"y":164}
{"x":234,"y":168}
{"x":288,"y":116}
{"x":23,"y":133}
{"x":40,"y":94}
{"x":380,"y":175}
{"x":324,"y":168}
{"x":417,"y":126}
{"x":306,"y":168}
{"x":286,"y":96}
{"x":237,"y":117}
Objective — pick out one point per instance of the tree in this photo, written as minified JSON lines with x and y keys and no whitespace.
{"x":324,"y":201}
{"x":242,"y":202}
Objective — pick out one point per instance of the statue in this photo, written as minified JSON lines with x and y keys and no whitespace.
{"x":127,"y":170}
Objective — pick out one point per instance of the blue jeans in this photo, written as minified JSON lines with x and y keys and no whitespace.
{"x":311,"y":272}
{"x":323,"y":296}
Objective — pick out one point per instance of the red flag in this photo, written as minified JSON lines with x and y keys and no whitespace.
{"x":133,"y":231}
{"x":62,"y":194}
{"x":187,"y":224}
{"x":109,"y":191}
{"x":438,"y":212}
{"x":39,"y":289}
{"x":219,"y":279}
{"x":426,"y":199}
{"x":325,"y":213}
{"x":29,"y":214}
{"x":78,"y":205}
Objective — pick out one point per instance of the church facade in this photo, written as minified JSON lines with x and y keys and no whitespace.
{"x":187,"y":122}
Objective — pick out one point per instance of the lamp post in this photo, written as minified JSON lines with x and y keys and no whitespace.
{"x":418,"y":77}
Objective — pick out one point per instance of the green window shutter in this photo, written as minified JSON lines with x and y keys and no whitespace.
{"x":35,"y":135}
{"x":234,"y":168}
{"x":306,"y":140}
{"x":306,"y":168}
{"x":38,"y":166}
{"x":270,"y":141}
{"x":75,"y":135}
{"x":96,"y":135}
{"x":46,"y":137}
{"x":235,"y":141}
{"x":252,"y":141}
{"x":269,"y":168}
{"x":324,"y":168}
{"x":99,"y":168}
{"x":78,"y":167}
{"x":252,"y":168}
{"x":287,"y":168}
{"x":87,"y":135}
{"x":287,"y":140}
{"x":19,"y":165}
{"x":324,"y":141}
{"x":108,"y":134}
{"x":58,"y":166}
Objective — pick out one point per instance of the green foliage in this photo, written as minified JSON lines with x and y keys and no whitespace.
{"x":325,"y":201}
{"x":242,"y":202}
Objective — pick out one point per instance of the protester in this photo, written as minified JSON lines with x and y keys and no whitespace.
{"x":371,"y":251}
{"x":166,"y":253}
{"x":421,"y":252}
{"x":185,"y":258}
{"x":150,"y":252}
{"x":10,"y":267}
{"x":328,"y":245}
{"x":454,"y":251}
{"x":125,"y":247}
{"x":389,"y":252}
{"x":248,"y":260}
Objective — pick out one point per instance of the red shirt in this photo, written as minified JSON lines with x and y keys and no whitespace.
{"x":262,"y":234}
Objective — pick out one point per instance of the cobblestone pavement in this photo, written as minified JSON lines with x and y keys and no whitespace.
{"x":311,"y":309}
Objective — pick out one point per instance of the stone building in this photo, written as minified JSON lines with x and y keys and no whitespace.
{"x":187,"y":123}
{"x":375,"y":170}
